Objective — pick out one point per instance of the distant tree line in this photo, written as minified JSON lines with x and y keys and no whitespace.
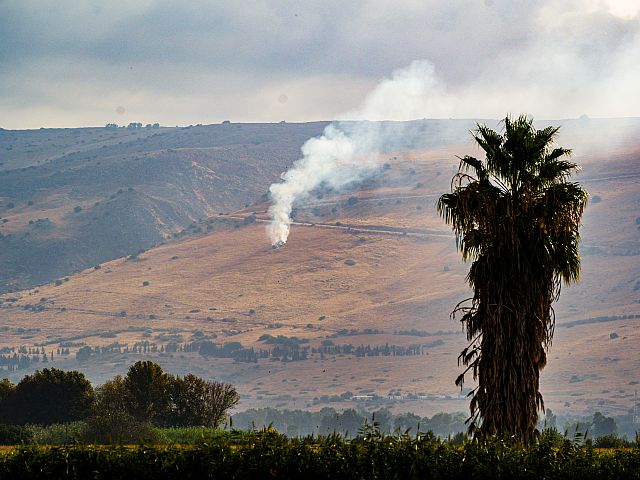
{"x":291,"y":350}
{"x":145,"y":396}
{"x":371,"y":351}
{"x":348,"y":422}
{"x":132,"y":125}
{"x":285,"y":349}
{"x":15,"y":362}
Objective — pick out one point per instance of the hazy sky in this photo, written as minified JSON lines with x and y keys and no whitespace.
{"x":67,"y":63}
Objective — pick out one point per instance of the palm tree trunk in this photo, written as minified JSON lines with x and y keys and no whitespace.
{"x":513,"y":353}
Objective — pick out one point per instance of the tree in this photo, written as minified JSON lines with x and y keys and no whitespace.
{"x":111,"y":397}
{"x":407,"y":421}
{"x":516,"y":216}
{"x":219,"y":397}
{"x":146,"y":387}
{"x":603,"y":426}
{"x":348,"y":423}
{"x":196,"y":402}
{"x":187,"y":401}
{"x":444,"y":424}
{"x":551,"y":420}
{"x":6,"y":389}
{"x":111,"y":420}
{"x":50,"y":396}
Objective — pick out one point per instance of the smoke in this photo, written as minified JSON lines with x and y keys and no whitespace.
{"x":347,"y":151}
{"x":329,"y":158}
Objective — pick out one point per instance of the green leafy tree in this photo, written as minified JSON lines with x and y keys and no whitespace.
{"x":112,"y":419}
{"x":111,"y":397}
{"x":516,"y":216}
{"x":146,"y":387}
{"x":196,"y":402}
{"x":6,"y":389}
{"x":187,"y":401}
{"x":50,"y":396}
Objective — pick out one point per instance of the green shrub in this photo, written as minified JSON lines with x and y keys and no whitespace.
{"x":55,"y":434}
{"x":552,"y":437}
{"x":120,"y":428}
{"x":611,"y":441}
{"x":14,"y":434}
{"x":190,"y":435}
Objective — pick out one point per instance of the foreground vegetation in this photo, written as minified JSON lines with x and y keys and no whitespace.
{"x":63,"y":404}
{"x":268,"y":454}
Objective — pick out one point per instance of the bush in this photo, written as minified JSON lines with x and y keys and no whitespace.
{"x":552,"y":437}
{"x":56,"y":434}
{"x":119,"y":427}
{"x":14,"y":435}
{"x":611,"y":441}
{"x":190,"y":435}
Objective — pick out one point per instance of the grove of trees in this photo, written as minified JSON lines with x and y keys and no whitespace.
{"x":146,"y":395}
{"x":348,"y":422}
{"x":45,"y":397}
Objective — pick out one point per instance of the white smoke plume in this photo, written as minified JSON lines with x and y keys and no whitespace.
{"x":347,"y":152}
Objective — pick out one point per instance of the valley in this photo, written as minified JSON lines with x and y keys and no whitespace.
{"x":354,"y":309}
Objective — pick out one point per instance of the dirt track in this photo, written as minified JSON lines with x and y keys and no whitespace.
{"x":364,"y":229}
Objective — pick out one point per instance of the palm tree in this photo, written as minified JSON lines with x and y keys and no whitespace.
{"x":516,"y":216}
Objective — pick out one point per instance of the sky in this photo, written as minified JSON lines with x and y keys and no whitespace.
{"x":88,"y":63}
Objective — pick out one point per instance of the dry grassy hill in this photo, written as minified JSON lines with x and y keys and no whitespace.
{"x":373,"y":268}
{"x":72,"y":198}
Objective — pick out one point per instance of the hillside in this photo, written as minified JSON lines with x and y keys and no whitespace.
{"x":72,"y":198}
{"x":357,"y":302}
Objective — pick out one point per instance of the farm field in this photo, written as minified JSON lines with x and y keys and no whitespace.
{"x":268,"y":453}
